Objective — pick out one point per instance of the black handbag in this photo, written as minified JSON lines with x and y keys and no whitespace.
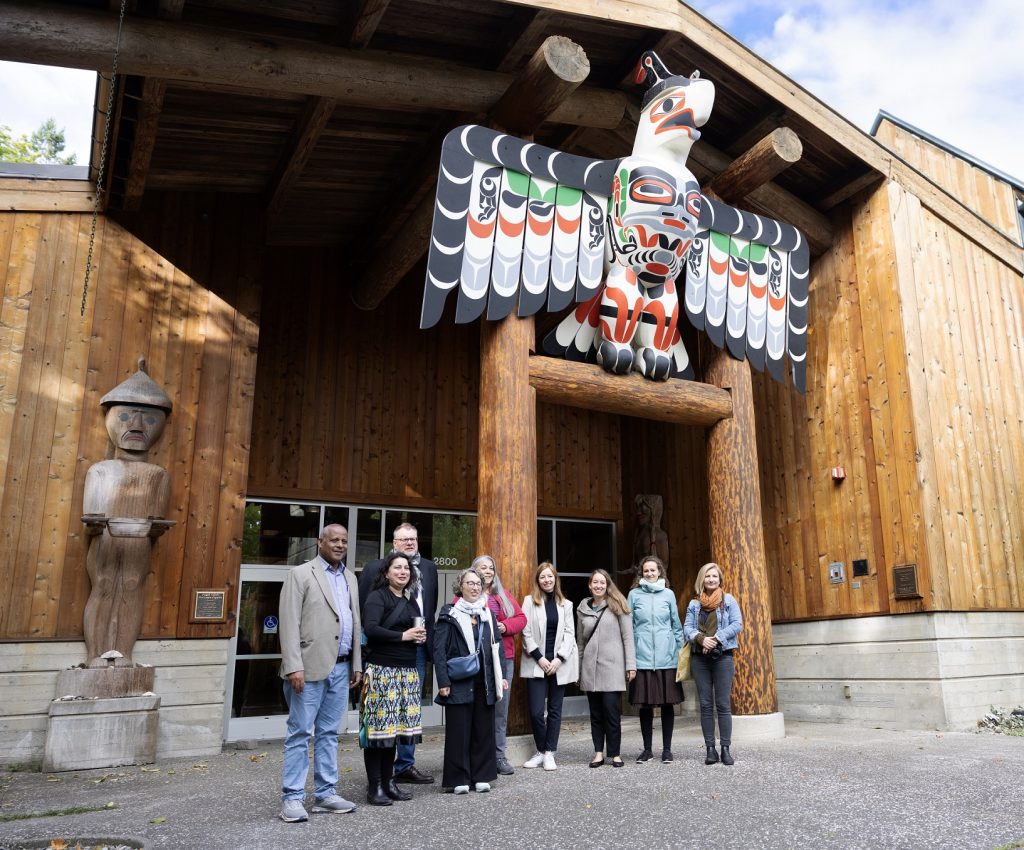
{"x":464,"y":667}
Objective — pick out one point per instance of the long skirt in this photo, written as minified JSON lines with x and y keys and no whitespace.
{"x":655,"y":687}
{"x":390,"y":709}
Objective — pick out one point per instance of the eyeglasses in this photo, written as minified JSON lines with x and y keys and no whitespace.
{"x":471,"y":584}
{"x":405,"y":540}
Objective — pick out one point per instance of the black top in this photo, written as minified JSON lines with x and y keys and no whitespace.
{"x":385,"y":617}
{"x":551,"y":610}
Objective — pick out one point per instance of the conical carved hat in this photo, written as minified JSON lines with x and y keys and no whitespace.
{"x":138,"y":389}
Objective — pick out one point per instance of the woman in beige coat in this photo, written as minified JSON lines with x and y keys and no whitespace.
{"x":549,"y":662}
{"x":607,"y":662}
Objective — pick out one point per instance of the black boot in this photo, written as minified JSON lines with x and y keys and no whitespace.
{"x":394,"y":792}
{"x":376,"y":796}
{"x":712,"y":757}
{"x":727,"y":756}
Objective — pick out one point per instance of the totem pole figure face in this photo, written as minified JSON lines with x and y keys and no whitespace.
{"x":134,"y":428}
{"x":673,"y":108}
{"x":654,"y":218}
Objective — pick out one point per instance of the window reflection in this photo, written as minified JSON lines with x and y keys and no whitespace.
{"x":279,"y":533}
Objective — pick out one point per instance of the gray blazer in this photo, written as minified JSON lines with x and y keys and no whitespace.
{"x":606,"y":648}
{"x":309,"y":624}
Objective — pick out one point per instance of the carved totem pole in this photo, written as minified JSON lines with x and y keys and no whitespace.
{"x":124,"y":505}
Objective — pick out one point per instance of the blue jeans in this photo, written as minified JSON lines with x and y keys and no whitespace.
{"x":406,"y":757}
{"x":714,"y":687}
{"x":316,"y":711}
{"x":501,"y":709}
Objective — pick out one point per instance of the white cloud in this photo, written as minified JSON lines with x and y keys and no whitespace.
{"x":29,"y":94}
{"x":950,"y":69}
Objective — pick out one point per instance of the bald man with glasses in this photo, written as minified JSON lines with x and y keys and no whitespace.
{"x":406,"y":541}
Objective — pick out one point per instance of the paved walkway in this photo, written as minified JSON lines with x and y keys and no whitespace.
{"x":822,"y":786}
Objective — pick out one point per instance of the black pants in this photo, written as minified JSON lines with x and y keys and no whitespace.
{"x":545,"y":729}
{"x":606,"y":721}
{"x":714,"y":688}
{"x":469,"y":741}
{"x":668,"y":722}
{"x":380,"y":764}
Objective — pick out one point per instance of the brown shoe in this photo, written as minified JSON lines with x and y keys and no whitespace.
{"x":414,"y":777}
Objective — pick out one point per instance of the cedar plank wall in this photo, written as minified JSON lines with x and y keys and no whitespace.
{"x":915,"y":384}
{"x":364,"y":407}
{"x":992,"y":199}
{"x":56,"y":365}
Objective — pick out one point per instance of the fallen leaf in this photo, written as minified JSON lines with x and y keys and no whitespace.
{"x":150,"y":769}
{"x":53,"y":779}
{"x":160,"y":819}
{"x":172,"y":770}
{"x":58,"y":844}
{"x":110,"y":805}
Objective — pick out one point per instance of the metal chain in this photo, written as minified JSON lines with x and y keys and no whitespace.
{"x":103,"y":158}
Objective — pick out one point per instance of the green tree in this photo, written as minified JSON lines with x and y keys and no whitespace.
{"x":45,"y":145}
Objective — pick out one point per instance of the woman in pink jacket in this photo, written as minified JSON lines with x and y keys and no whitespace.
{"x":511,"y":621}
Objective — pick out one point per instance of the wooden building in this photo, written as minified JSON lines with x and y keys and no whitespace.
{"x":261,"y":243}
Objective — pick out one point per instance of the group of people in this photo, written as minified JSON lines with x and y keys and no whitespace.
{"x":378,"y":634}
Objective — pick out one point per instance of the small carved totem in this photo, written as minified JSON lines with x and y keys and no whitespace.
{"x":124,"y":505}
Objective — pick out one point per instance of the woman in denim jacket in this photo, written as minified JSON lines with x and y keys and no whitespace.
{"x":712,"y":622}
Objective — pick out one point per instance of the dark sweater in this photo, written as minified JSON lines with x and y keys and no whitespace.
{"x":550,"y":633}
{"x":384,"y":643}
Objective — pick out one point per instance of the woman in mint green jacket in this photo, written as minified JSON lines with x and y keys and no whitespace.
{"x":658,"y":636}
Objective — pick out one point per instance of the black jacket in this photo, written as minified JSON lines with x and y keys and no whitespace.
{"x":449,"y":642}
{"x":428,"y":581}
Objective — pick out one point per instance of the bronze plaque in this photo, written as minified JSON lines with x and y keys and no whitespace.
{"x":904,"y":582}
{"x":209,"y":605}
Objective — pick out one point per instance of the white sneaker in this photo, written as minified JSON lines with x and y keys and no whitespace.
{"x":536,"y":760}
{"x":460,"y":789}
{"x":482,"y":787}
{"x":549,"y":761}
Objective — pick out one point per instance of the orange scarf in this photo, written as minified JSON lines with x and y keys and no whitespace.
{"x":709,"y":602}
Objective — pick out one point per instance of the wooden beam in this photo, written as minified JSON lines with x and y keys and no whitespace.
{"x":849,"y":189}
{"x":549,"y":80}
{"x":363,"y":23}
{"x":759,"y":165}
{"x":589,"y":387}
{"x":506,"y":525}
{"x":52,"y":34}
{"x":737,"y":534}
{"x":526,"y":27}
{"x":553,"y":73}
{"x":149,"y":108}
{"x":772,"y":200}
{"x":301,"y":145}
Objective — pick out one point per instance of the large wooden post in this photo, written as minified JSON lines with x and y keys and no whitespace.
{"x":737,"y":536}
{"x":506,"y":525}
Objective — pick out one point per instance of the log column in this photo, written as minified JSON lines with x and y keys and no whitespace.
{"x":506,"y":525}
{"x":737,"y":536}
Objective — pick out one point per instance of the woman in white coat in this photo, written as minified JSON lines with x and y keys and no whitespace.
{"x":550,"y":661}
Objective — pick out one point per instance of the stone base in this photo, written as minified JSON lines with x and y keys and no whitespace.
{"x":758,"y":727}
{"x":105,"y":682}
{"x":909,"y":671}
{"x":90,"y":733}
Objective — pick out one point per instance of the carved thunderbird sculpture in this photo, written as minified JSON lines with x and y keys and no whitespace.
{"x":518,"y":226}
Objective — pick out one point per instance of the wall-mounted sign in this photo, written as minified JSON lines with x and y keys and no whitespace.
{"x":837,"y":572}
{"x":904,"y":582}
{"x":209,"y":605}
{"x":270,"y":625}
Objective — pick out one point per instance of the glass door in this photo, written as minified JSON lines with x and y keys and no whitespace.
{"x":254,"y":703}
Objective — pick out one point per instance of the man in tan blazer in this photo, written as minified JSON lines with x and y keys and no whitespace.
{"x":320,"y":661}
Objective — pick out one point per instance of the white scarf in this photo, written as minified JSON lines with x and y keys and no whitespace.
{"x":464,"y":611}
{"x":652,"y":586}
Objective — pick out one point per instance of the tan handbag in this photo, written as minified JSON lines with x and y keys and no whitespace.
{"x":683,"y":664}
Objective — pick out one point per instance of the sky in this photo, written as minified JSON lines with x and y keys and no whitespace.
{"x":29,"y":94}
{"x":951,"y":69}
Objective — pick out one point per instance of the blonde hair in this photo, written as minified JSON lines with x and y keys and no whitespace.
{"x":536,"y":593}
{"x":698,"y":585}
{"x":653,"y":559}
{"x":616,"y":601}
